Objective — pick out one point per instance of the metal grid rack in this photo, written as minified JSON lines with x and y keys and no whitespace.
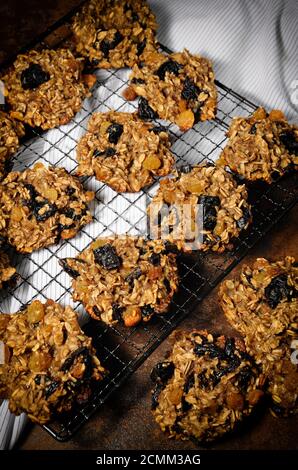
{"x":122,"y":350}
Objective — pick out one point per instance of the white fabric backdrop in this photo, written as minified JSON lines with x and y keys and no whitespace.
{"x":253,"y":46}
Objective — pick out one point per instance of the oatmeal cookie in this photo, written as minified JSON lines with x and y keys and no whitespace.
{"x":10,"y":132}
{"x":205,"y":387}
{"x":123,"y":151}
{"x":114,"y":34}
{"x":45,"y":89}
{"x":201,"y":208}
{"x":261,"y":146}
{"x":178,"y":87}
{"x":262,"y":304}
{"x":123,"y":279}
{"x":40,"y":206}
{"x":8,"y":274}
{"x":50,"y":363}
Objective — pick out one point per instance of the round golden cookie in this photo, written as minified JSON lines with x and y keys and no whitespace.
{"x":178,"y":87}
{"x":123,"y":151}
{"x":10,"y":133}
{"x":50,"y":363}
{"x":40,"y":206}
{"x":200,"y":208}
{"x":46,"y":88}
{"x":261,"y":146}
{"x":262,"y":304}
{"x":205,"y":387}
{"x":123,"y":279}
{"x":114,"y":34}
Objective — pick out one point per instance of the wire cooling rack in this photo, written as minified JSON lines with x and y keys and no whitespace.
{"x":122,"y":350}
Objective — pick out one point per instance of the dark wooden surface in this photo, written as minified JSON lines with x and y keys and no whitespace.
{"x":125,"y":421}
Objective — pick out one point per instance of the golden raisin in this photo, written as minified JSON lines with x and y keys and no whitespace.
{"x":50,"y":193}
{"x":151,"y":163}
{"x":235,"y":401}
{"x":260,"y":113}
{"x":129,"y":94}
{"x":16,"y":214}
{"x":254,"y":396}
{"x":66,"y":234}
{"x":185,"y":120}
{"x":276,"y":115}
{"x":132,"y":316}
{"x":39,"y":361}
{"x":169,"y":196}
{"x":35,"y":311}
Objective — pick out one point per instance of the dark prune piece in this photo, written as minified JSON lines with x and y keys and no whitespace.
{"x":209,"y":217}
{"x":106,"y":46}
{"x":185,"y":406}
{"x":204,"y":381}
{"x":70,"y":214}
{"x":135,"y":274}
{"x":167,"y":285}
{"x":145,"y":111}
{"x":155,"y":259}
{"x":71,"y":272}
{"x":33,"y":76}
{"x":244,"y":376}
{"x":242,"y":222}
{"x":253,"y":129}
{"x":289,"y":140}
{"x":190,"y":90}
{"x":158,"y":129}
{"x":229,"y":346}
{"x":185,"y":168}
{"x":69,"y":361}
{"x":134,"y":16}
{"x":170,"y":248}
{"x":209,"y":200}
{"x":109,"y":152}
{"x":169,"y":66}
{"x":277,"y":409}
{"x":114,"y":130}
{"x":137,"y":80}
{"x":107,"y":257}
{"x":141,"y":47}
{"x":189,"y":382}
{"x":70,"y":191}
{"x":209,"y":211}
{"x":162,"y":372}
{"x":278,"y":290}
{"x":117,"y":312}
{"x":96,"y":311}
{"x":37,"y":379}
{"x":51,"y":388}
{"x":155,"y":395}
{"x":147,"y":311}
{"x":52,"y":209}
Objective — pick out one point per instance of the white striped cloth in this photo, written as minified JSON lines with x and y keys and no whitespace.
{"x":253,"y":46}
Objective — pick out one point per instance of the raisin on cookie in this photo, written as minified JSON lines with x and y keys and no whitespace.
{"x":114,"y":34}
{"x":262,"y":304}
{"x":261,"y":146}
{"x":123,"y":279}
{"x":46,"y":88}
{"x":10,"y":133}
{"x":178,"y":87}
{"x":200,"y":208}
{"x":123,"y":151}
{"x":40,"y":206}
{"x":49,"y":364}
{"x":205,"y":387}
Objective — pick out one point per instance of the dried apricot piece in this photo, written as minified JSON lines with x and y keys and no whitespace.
{"x":185,"y":120}
{"x":152,"y":162}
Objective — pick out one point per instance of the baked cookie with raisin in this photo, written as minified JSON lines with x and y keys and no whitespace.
{"x":114,"y":34}
{"x":123,"y":151}
{"x":50,"y":363}
{"x":178,"y":87}
{"x":123,"y":279}
{"x":46,"y":88}
{"x":200,"y":208}
{"x":10,"y":133}
{"x":261,"y":146}
{"x":262,"y":304}
{"x":40,"y":206}
{"x":205,"y":387}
